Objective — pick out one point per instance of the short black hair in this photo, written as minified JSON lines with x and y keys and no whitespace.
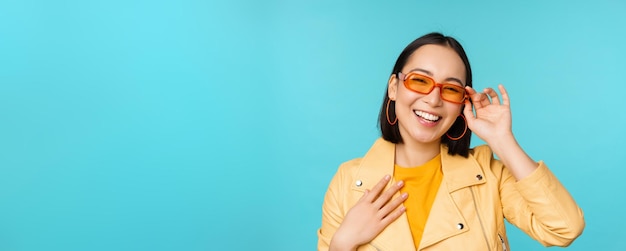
{"x":391,"y":133}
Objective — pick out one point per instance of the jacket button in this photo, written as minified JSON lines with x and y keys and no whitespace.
{"x":479,"y":177}
{"x":359,"y":183}
{"x":459,"y":226}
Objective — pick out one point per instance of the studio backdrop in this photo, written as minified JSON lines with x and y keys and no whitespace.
{"x":217,"y":125}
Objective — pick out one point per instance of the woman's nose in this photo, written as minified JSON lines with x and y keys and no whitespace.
{"x":434,"y":97}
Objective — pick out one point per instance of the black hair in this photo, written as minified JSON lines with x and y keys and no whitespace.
{"x":391,"y":133}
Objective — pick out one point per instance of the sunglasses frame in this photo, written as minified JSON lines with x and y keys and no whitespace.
{"x":405,"y":82}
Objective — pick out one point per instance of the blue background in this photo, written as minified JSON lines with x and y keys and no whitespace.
{"x":195,"y":125}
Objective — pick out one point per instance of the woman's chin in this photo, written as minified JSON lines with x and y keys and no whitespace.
{"x":426,"y":138}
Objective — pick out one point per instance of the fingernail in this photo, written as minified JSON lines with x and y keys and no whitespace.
{"x":405,"y":195}
{"x":387,"y":177}
{"x":402,"y":208}
{"x":400,"y":183}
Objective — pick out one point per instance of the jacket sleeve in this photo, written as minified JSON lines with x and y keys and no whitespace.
{"x":539,"y":205}
{"x":332,"y":209}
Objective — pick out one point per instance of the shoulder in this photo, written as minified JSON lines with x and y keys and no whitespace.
{"x":350,"y":165}
{"x":485,"y":158}
{"x":481,"y":152}
{"x":377,"y":162}
{"x":348,"y":169}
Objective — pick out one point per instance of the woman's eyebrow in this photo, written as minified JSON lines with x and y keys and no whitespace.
{"x":422,"y":70}
{"x":429,"y":73}
{"x":455,"y":80}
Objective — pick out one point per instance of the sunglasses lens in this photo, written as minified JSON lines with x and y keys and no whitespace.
{"x":452,"y":93}
{"x":420,"y":84}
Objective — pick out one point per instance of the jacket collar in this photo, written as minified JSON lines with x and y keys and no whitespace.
{"x":376,"y":163}
{"x":458,"y":172}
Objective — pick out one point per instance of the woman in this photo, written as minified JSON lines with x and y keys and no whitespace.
{"x":436,"y":193}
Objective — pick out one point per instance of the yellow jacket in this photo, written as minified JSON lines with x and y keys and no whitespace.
{"x":475,"y":196}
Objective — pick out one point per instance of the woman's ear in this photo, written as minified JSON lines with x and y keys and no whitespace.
{"x":392,"y":87}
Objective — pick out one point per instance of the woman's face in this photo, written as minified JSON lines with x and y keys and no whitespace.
{"x":424,"y":118}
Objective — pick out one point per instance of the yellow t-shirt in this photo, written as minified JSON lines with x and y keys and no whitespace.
{"x":422,"y":184}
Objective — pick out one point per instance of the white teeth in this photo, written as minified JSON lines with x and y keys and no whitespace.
{"x":427,"y":116}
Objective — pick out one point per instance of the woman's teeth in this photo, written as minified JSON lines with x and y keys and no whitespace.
{"x":427,"y":116}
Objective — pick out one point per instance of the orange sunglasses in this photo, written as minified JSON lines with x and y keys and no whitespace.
{"x":424,"y":85}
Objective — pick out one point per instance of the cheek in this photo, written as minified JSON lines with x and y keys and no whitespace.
{"x":454,"y":109}
{"x":404,"y":102}
{"x":406,"y":96}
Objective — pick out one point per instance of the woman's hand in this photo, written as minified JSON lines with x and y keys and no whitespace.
{"x":492,"y":123}
{"x":493,"y":119}
{"x":369,"y":216}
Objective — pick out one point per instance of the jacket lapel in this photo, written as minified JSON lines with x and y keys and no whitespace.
{"x":445,"y":219}
{"x":378,"y":162}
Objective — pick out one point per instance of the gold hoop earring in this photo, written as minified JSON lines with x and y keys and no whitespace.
{"x":464,"y":131}
{"x":387,"y":113}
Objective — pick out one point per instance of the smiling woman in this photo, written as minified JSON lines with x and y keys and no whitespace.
{"x":436,"y":193}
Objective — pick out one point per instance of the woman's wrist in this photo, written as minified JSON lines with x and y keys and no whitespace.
{"x":513,"y":156}
{"x":502,"y":143}
{"x":341,"y":244}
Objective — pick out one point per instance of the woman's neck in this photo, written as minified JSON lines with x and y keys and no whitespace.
{"x":410,"y":154}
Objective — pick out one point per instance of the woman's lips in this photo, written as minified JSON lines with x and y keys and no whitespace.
{"x":427,"y":116}
{"x":427,"y":119}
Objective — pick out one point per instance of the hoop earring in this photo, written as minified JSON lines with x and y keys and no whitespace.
{"x":387,"y":113}
{"x":464,"y":131}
